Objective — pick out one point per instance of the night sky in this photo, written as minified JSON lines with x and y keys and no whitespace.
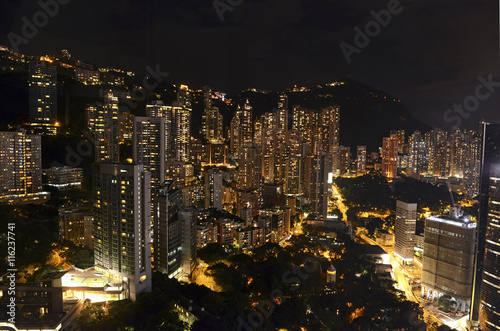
{"x":429,"y":55}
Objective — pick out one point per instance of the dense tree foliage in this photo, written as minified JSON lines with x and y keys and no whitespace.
{"x":374,"y":191}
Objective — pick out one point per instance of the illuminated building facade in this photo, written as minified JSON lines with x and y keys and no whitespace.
{"x":43,"y":97}
{"x":167,"y":229}
{"x":448,"y":258}
{"x":158,"y":109}
{"x":182,"y":130}
{"x":361,"y":160}
{"x":240,"y":132}
{"x":64,"y":178}
{"x":404,"y":230}
{"x":149,"y":146}
{"x":20,"y":164}
{"x":282,"y":113}
{"x":213,"y":125}
{"x":122,"y":224}
{"x":316,"y":186}
{"x":390,"y":156}
{"x":102,"y":120}
{"x":250,"y":163}
{"x":72,"y":223}
{"x":213,"y":189}
{"x":125,"y":127}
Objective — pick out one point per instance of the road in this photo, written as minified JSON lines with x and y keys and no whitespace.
{"x":404,"y":285}
{"x":339,"y":202}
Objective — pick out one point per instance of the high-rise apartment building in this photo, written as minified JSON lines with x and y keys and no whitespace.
{"x":404,"y":230}
{"x":187,"y":217}
{"x":122,"y":225}
{"x":158,"y":109}
{"x":330,"y":126}
{"x":448,"y":258}
{"x":102,"y":120}
{"x":213,"y":125}
{"x":361,"y":160}
{"x":282,"y":113}
{"x":293,"y":163}
{"x":213,"y":189}
{"x":167,"y":229}
{"x":43,"y":97}
{"x":182,"y":130}
{"x":250,"y":163}
{"x":240,"y":131}
{"x":20,"y":164}
{"x":417,"y":154}
{"x":184,"y":96}
{"x":390,"y":156}
{"x":316,"y":186}
{"x":149,"y":146}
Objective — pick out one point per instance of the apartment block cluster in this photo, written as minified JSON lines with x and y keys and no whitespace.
{"x":435,"y":156}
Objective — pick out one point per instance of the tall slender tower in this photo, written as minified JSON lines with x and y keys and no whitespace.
{"x":390,"y":156}
{"x":102,"y":119}
{"x":404,"y":230}
{"x":122,"y":224}
{"x":43,"y":94}
{"x":20,"y":163}
{"x":213,"y":189}
{"x":485,"y":299}
{"x":361,"y":160}
{"x":182,"y":129}
{"x":282,"y":112}
{"x":149,"y":146}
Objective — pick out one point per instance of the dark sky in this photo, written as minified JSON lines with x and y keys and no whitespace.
{"x":429,"y":56}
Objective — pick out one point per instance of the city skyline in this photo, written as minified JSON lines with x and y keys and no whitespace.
{"x":241,"y":165}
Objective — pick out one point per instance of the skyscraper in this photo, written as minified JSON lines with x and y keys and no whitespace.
{"x":213,"y":189}
{"x":158,"y":109}
{"x":250,"y":163}
{"x":20,"y":164}
{"x":213,"y":125}
{"x":240,"y":132}
{"x":390,"y":156}
{"x":417,"y":154}
{"x":361,"y":160}
{"x":187,"y":217}
{"x":102,"y":119}
{"x":122,"y":224}
{"x":184,"y":96}
{"x":267,"y":141}
{"x":317,"y":167}
{"x":282,"y":112}
{"x":293,"y":163}
{"x":182,"y":129}
{"x":448,"y":258}
{"x":404,"y":230}
{"x":330,"y":124}
{"x":485,"y":299}
{"x":166,"y":229}
{"x":174,"y":234}
{"x":149,"y":146}
{"x":43,"y":96}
